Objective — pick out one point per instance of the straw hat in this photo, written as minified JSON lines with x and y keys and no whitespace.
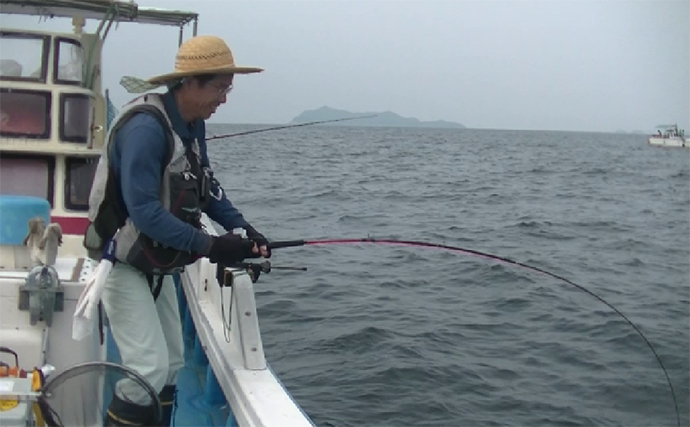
{"x":203,"y":55}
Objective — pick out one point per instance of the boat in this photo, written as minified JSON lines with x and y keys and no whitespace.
{"x":55,"y":116}
{"x":669,"y":136}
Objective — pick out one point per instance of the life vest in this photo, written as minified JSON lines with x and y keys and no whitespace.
{"x":184,"y":192}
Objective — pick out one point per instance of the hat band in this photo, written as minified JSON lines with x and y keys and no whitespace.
{"x":202,"y":56}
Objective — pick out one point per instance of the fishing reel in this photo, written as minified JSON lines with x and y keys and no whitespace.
{"x":253,"y":269}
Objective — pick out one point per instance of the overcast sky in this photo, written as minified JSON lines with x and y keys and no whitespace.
{"x":552,"y":65}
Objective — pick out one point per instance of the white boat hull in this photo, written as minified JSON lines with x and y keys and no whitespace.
{"x":674,"y":141}
{"x":255,"y":394}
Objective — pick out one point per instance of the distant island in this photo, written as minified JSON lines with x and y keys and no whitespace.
{"x":386,"y":118}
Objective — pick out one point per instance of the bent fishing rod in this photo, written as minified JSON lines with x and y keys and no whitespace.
{"x":249,"y":132}
{"x":295,"y":243}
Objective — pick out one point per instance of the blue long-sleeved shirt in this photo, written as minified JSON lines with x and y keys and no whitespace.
{"x":138,"y":154}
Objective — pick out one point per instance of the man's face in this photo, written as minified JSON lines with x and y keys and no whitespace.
{"x":207,"y":98}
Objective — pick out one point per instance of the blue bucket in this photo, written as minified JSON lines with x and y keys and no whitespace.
{"x":15,"y":213}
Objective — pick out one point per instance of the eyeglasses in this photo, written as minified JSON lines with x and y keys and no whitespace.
{"x":223,"y":91}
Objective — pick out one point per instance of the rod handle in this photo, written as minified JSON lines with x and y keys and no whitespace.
{"x":285,"y":244}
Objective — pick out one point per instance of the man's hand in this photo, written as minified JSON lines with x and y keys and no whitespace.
{"x":260,"y":240}
{"x":231,"y":249}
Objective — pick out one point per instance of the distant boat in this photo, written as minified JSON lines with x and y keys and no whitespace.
{"x":669,"y":136}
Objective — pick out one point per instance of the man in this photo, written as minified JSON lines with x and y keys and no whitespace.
{"x":152,"y":183}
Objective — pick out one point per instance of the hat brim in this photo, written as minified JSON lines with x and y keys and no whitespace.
{"x":164,"y":78}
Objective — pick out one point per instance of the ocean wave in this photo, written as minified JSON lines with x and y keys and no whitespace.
{"x":381,"y":336}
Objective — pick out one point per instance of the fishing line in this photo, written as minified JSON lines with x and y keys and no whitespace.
{"x":294,"y":243}
{"x":248,"y":132}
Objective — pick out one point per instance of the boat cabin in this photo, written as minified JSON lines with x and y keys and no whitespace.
{"x":54,"y":115}
{"x":52,"y":123}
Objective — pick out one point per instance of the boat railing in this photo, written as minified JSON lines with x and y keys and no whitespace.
{"x":220,"y":318}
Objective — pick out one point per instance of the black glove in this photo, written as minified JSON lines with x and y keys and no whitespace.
{"x":231,"y":249}
{"x":257,"y":237}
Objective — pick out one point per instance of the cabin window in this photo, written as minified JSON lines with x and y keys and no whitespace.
{"x":26,"y":175}
{"x":24,"y":113}
{"x":80,"y":173}
{"x":69,"y":61}
{"x":76,"y":118}
{"x":24,"y":56}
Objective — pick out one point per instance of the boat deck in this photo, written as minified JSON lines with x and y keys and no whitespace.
{"x":226,"y":380}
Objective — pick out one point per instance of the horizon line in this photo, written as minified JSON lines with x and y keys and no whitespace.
{"x":466,"y":128}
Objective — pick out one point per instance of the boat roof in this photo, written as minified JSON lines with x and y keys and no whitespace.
{"x":666,"y":126}
{"x":125,"y":11}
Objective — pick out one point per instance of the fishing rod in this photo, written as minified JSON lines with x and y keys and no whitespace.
{"x":296,"y":243}
{"x":248,"y":132}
